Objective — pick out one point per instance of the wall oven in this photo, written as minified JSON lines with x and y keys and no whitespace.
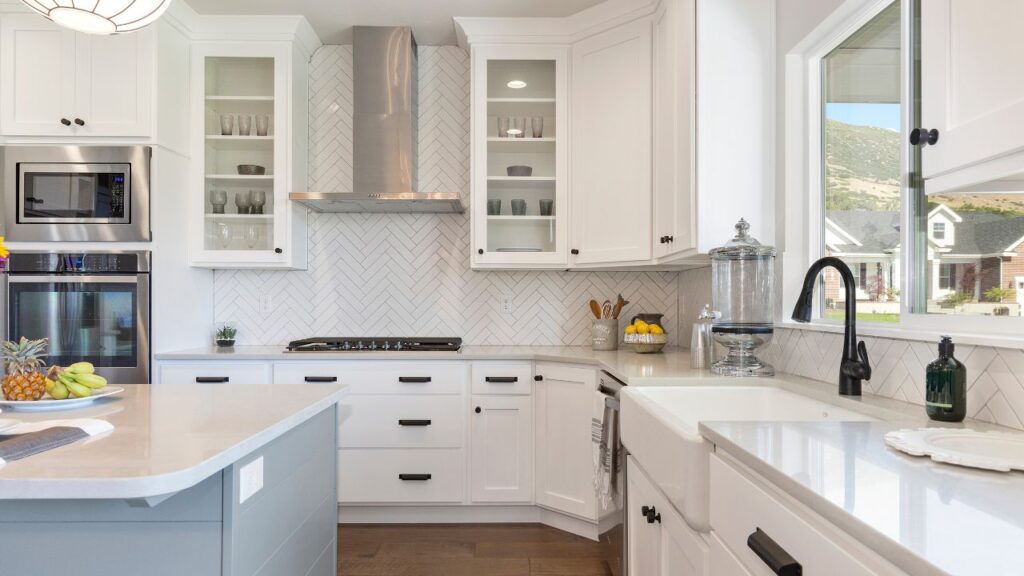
{"x":76,"y":193}
{"x":92,"y":307}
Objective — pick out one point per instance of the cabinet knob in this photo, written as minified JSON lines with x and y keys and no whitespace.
{"x":480,"y":251}
{"x":538,"y":378}
{"x":574,"y":251}
{"x":65,"y":121}
{"x":477,"y":410}
{"x":924,"y":137}
{"x":670,"y":238}
{"x":278,"y":250}
{"x":651,"y":513}
{"x":79,"y":121}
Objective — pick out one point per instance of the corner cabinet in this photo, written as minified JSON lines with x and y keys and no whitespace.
{"x":520,"y":158}
{"x":249,"y":103}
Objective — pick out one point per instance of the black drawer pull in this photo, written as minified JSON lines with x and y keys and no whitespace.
{"x":414,"y":477}
{"x":212,"y":379}
{"x":501,"y":379}
{"x":414,"y":422}
{"x":414,"y":379}
{"x":773,"y":555}
{"x":321,"y":378}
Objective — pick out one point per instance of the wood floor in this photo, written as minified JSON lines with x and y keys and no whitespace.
{"x":473,"y":550}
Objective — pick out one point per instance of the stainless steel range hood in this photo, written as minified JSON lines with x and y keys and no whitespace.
{"x":384,"y":158}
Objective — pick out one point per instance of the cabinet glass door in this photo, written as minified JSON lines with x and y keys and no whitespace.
{"x":522,"y":160}
{"x":239,"y":207}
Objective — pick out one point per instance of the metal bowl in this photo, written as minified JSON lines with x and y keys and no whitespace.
{"x":251,"y":170}
{"x":520,"y":171}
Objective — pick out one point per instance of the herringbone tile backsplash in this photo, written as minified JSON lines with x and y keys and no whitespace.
{"x":408,"y":274}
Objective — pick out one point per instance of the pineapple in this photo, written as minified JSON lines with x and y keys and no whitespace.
{"x":23,"y":378}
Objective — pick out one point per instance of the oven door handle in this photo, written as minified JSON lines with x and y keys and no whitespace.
{"x":72,"y":279}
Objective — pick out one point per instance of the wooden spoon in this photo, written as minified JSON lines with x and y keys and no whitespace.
{"x":595,"y":308}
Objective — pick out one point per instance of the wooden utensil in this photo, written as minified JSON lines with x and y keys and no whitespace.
{"x":619,"y":305}
{"x":595,"y":309}
{"x":606,"y":310}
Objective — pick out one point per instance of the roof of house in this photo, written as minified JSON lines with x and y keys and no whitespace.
{"x":978,"y":233}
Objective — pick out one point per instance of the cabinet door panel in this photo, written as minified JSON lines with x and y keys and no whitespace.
{"x":611,"y":154}
{"x":114,"y":84}
{"x":502,"y":449}
{"x":644,"y":538}
{"x":967,"y":94}
{"x":38,"y":61}
{"x":565,"y":471}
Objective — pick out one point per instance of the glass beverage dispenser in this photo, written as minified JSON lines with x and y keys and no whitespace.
{"x":742,"y":273}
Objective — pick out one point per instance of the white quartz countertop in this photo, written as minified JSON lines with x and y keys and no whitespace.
{"x":165,"y":439}
{"x":924,"y":517}
{"x":635,"y":369}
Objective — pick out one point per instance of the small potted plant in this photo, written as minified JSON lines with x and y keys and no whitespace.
{"x":225,"y":336}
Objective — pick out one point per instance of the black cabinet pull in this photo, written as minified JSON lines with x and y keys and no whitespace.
{"x":574,"y":251}
{"x":414,"y":379}
{"x":924,"y":137}
{"x":773,"y":555}
{"x":538,"y":378}
{"x":670,"y":239}
{"x":65,"y":121}
{"x":501,"y":379}
{"x":79,"y":121}
{"x":651,"y":514}
{"x":321,"y":378}
{"x":403,"y":422}
{"x":414,"y":477}
{"x":212,"y":379}
{"x":477,"y":410}
{"x":479,"y":250}
{"x":278,"y":251}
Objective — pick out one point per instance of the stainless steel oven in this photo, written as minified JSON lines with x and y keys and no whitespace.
{"x":76,"y":193}
{"x":91,"y":306}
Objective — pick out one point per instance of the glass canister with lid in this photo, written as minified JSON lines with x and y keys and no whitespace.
{"x":742,"y":275}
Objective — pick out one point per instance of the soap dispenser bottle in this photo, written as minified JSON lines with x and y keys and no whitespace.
{"x":946,"y":386}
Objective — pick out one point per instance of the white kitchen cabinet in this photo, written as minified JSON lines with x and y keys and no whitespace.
{"x":246,"y":220}
{"x":674,"y":194}
{"x":659,"y":541}
{"x":565,"y":398}
{"x":65,"y":84}
{"x":501,"y":449}
{"x":215,"y":373}
{"x":611,"y":146}
{"x":967,"y":93}
{"x":525,"y":87}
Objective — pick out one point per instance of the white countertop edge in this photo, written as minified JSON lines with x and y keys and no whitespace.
{"x":903,"y":558}
{"x":160,"y":484}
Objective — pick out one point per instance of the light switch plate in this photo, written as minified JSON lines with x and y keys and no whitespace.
{"x":250,"y":479}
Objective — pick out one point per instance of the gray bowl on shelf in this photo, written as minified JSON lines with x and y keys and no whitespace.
{"x":251,"y":170}
{"x":520,"y":171}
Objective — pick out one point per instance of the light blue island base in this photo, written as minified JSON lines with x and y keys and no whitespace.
{"x":287,"y":528}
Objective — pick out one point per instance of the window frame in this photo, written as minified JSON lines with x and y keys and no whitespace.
{"x":803,"y":194}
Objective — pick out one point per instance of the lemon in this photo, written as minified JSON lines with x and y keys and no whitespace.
{"x":655,"y":329}
{"x":643,"y":328}
{"x":630,"y":329}
{"x":640,"y":323}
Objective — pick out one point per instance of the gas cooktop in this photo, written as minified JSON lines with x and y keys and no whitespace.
{"x":375,"y":345}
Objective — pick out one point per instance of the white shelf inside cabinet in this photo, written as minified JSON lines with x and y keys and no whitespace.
{"x":496,"y":144}
{"x":242,"y":177}
{"x":240,"y":142}
{"x":518,"y":182}
{"x":525,"y":106}
{"x":240,"y":98}
{"x":243,"y":217}
{"x":526,"y":218}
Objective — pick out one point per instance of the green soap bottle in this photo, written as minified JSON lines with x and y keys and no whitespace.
{"x":945,"y":395}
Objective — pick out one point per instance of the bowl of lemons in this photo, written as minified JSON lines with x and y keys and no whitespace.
{"x":645,"y":338}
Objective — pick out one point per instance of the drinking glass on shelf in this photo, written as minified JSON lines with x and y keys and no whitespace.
{"x":503,"y":124}
{"x":243,"y":200}
{"x":244,"y":124}
{"x":520,"y":128}
{"x":259,"y":199}
{"x":494,"y":207}
{"x":262,"y":124}
{"x":519,"y":207}
{"x":252,"y":235}
{"x":218,"y":198}
{"x":227,"y":124}
{"x":547,"y":207}
{"x":537,"y":123}
{"x":223,"y":234}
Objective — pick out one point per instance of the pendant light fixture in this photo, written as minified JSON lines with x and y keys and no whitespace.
{"x":101,"y":16}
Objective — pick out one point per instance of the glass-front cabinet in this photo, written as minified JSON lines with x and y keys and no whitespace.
{"x":519,"y":157}
{"x":244,"y":137}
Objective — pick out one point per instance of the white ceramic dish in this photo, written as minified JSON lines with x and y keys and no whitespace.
{"x":999,"y":451}
{"x":48,"y":404}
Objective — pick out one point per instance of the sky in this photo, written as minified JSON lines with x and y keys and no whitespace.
{"x":880,"y":115}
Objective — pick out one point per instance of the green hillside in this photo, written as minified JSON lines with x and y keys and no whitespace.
{"x":862,"y":168}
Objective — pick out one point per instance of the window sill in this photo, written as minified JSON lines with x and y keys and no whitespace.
{"x":904,"y":333}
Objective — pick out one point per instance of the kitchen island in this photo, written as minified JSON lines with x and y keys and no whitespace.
{"x":194,"y":479}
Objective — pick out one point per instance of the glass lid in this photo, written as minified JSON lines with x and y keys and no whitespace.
{"x":743,"y":245}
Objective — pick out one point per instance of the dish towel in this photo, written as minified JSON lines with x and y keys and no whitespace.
{"x":30,"y":438}
{"x":604,"y":437}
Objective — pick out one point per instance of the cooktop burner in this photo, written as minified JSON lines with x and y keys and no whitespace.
{"x":375,"y":345}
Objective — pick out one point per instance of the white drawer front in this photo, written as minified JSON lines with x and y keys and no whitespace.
{"x":389,"y":377}
{"x":376,"y":476}
{"x":502,"y":378}
{"x":402,"y":421}
{"x":215,"y":373}
{"x":740,"y":506}
{"x":723,"y":563}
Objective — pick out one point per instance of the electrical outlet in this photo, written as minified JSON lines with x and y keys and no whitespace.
{"x":250,"y":479}
{"x":266,"y":303}
{"x":506,"y":304}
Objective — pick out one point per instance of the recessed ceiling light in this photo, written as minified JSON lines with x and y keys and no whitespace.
{"x":516,"y":84}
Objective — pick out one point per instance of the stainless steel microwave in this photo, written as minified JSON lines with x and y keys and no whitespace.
{"x":76,"y":193}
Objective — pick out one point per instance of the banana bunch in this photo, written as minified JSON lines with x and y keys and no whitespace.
{"x":78,"y":380}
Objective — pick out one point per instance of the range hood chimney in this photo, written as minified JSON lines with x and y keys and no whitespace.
{"x":384,"y":135}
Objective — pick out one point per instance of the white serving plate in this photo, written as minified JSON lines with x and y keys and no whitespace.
{"x":47,"y":404}
{"x":999,"y":451}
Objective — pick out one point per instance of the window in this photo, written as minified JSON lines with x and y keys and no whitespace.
{"x":939,"y":230}
{"x":947,"y":276}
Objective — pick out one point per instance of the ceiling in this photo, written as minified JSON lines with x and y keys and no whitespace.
{"x":431,"y":20}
